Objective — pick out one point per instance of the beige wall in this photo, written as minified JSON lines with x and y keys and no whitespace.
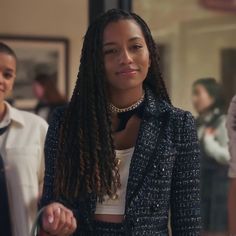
{"x":194,"y":36}
{"x":56,"y":18}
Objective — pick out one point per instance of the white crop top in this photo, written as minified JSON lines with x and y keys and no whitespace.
{"x":117,"y":206}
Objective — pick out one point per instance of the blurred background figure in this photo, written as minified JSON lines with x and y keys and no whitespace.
{"x":48,"y":95}
{"x":231,"y":126}
{"x":212,"y":133}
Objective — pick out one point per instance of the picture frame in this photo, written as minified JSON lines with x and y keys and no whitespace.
{"x":37,"y":55}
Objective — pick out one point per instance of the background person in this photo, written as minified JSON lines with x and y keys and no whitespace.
{"x":22,"y":136}
{"x":212,"y":133}
{"x":46,"y":91}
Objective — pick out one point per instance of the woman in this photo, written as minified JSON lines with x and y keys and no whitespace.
{"x":22,"y":137}
{"x":212,"y":133}
{"x":231,"y":127}
{"x":45,"y":89}
{"x":120,"y":156}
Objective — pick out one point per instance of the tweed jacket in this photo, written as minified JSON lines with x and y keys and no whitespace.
{"x":164,"y":174}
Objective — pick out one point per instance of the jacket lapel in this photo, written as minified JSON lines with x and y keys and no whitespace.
{"x":145,"y":146}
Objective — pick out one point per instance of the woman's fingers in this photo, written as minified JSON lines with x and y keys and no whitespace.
{"x":51,"y":220}
{"x":69,"y":226}
{"x":58,"y":213}
{"x":58,"y":220}
{"x":60,"y":224}
{"x":74,"y":225}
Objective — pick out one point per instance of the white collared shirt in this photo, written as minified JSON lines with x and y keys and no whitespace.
{"x":22,"y":150}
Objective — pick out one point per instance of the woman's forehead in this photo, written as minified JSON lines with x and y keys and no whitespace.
{"x":123,"y":29}
{"x":7,"y":61}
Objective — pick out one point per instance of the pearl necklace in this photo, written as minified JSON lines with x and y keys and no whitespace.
{"x":115,"y":109}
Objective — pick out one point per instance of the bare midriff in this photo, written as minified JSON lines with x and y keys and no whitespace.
{"x":109,"y":218}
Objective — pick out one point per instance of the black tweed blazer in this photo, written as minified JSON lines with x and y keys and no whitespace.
{"x":164,"y":174}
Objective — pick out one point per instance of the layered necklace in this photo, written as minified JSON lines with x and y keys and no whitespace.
{"x":124,"y":114}
{"x":115,"y":109}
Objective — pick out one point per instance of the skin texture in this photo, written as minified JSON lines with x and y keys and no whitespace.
{"x":7,"y":78}
{"x":126,"y":61}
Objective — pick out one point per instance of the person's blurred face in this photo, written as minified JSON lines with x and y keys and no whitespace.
{"x":38,"y":90}
{"x":126,"y":56}
{"x":7,"y":74}
{"x":202,"y":101}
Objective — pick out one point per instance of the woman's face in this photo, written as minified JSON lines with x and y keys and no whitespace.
{"x":202,"y":101}
{"x":7,"y":74}
{"x":126,"y":56}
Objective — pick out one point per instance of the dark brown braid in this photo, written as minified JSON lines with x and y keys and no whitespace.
{"x":86,"y":158}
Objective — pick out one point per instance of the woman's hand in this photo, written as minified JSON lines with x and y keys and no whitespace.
{"x":58,"y":220}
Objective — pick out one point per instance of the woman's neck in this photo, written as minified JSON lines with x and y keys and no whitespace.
{"x":125,"y":98}
{"x":2,"y":110}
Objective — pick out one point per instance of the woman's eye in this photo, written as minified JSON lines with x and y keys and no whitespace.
{"x":110,"y":51}
{"x":137,"y":47}
{"x":7,"y":75}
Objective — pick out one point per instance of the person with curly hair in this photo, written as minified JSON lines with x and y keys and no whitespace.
{"x":120,"y":156}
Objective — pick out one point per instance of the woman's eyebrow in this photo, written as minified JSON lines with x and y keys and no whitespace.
{"x":109,"y":43}
{"x":114,"y":43}
{"x":9,"y":70}
{"x":135,"y":38}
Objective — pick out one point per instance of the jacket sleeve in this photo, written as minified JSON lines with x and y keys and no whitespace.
{"x":50,"y":151}
{"x":185,"y":189}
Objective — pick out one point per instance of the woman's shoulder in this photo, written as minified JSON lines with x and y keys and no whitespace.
{"x":179,"y":116}
{"x":29,"y":119}
{"x":52,"y":137}
{"x":54,"y":126}
{"x":57,"y":115}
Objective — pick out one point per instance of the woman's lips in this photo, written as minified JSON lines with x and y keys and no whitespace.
{"x":127,"y":72}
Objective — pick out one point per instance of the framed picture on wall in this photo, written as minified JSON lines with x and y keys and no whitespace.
{"x":37,"y":55}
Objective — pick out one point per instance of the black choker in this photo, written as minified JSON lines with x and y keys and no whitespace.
{"x":125,"y":116}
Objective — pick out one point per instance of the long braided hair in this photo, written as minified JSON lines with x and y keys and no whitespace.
{"x":86,"y":158}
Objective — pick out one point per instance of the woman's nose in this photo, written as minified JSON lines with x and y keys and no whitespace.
{"x":125,"y":57}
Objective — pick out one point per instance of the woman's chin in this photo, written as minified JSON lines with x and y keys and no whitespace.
{"x":127,"y":85}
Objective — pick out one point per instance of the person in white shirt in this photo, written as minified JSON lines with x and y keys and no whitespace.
{"x":209,"y":104}
{"x":22,"y":136}
{"x":231,"y":126}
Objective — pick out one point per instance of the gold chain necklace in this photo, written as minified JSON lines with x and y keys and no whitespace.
{"x":115,"y":109}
